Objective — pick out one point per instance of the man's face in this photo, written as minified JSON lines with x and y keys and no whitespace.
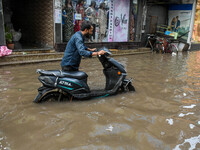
{"x":90,"y":31}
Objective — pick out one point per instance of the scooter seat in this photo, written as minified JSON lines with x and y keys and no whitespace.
{"x":59,"y":73}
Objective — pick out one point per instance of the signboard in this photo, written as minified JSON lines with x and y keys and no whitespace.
{"x":180,"y":15}
{"x":119,"y":21}
{"x":58,"y":16}
{"x":78,"y":16}
{"x":111,"y":21}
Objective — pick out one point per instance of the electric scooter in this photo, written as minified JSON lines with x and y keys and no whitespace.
{"x":58,"y":85}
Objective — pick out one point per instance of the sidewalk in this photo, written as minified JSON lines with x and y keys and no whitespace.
{"x":50,"y":55}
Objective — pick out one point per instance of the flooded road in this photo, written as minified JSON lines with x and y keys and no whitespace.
{"x":163,"y":113}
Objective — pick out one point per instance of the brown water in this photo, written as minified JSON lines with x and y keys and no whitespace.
{"x":163,"y":113}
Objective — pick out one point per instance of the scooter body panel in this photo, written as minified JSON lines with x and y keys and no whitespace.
{"x":72,"y":85}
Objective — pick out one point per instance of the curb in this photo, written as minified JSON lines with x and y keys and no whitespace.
{"x":26,"y":62}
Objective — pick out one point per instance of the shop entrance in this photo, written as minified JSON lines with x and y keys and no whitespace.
{"x":30,"y":23}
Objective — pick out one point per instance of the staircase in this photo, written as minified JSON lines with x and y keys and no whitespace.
{"x":27,"y":56}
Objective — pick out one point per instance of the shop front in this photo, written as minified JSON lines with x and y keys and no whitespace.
{"x":44,"y":24}
{"x":172,"y":19}
{"x":114,"y":22}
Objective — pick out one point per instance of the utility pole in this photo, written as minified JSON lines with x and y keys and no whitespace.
{"x":2,"y":30}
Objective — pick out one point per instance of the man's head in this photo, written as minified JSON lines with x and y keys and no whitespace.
{"x":177,"y":17}
{"x":87,"y":28}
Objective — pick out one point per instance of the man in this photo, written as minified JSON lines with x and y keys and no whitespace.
{"x":76,"y":49}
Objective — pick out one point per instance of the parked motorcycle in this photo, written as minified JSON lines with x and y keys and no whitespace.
{"x":58,"y":85}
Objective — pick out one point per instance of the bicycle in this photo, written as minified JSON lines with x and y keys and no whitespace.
{"x":161,"y":44}
{"x":171,"y":47}
{"x":151,"y":38}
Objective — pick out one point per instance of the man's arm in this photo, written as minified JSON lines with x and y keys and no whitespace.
{"x":83,"y":52}
{"x":91,"y":49}
{"x":81,"y":47}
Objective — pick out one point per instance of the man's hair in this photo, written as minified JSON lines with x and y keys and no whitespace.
{"x":86,"y":25}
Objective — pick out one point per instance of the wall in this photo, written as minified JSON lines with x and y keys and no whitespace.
{"x":2,"y":35}
{"x":161,"y":11}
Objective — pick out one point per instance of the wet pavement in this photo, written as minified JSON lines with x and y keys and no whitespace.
{"x":163,"y":113}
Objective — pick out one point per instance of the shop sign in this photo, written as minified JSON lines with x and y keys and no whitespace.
{"x":58,"y":17}
{"x":78,"y":16}
{"x":111,"y":21}
{"x":119,"y":21}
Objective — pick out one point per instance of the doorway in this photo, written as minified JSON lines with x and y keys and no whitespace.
{"x":33,"y":20}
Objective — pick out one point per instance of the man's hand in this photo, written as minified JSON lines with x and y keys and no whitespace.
{"x":92,"y":49}
{"x":101,"y":52}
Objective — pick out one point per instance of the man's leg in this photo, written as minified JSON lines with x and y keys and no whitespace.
{"x":68,"y":68}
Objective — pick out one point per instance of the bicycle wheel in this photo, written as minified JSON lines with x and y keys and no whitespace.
{"x":158,"y":48}
{"x":173,"y":48}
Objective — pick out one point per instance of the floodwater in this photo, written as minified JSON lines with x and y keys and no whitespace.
{"x":163,"y":113}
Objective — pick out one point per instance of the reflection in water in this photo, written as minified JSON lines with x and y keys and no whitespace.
{"x":163,"y":113}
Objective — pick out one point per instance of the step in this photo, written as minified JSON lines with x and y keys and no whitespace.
{"x":25,"y":57}
{"x":19,"y":59}
{"x":32,"y":51}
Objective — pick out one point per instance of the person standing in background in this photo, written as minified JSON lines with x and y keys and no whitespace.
{"x":68,"y":26}
{"x":79,"y":10}
{"x":102,"y":16}
{"x":92,"y":15}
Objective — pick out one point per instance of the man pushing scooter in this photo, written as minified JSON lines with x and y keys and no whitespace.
{"x":76,"y":49}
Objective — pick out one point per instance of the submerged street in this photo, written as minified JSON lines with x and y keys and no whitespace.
{"x":163,"y":113}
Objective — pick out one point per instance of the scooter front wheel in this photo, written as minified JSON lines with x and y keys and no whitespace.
{"x":127,"y":87}
{"x":130,"y":87}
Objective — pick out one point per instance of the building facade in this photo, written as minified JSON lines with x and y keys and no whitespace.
{"x":40,"y":21}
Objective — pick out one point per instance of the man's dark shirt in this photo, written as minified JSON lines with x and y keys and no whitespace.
{"x":74,"y":50}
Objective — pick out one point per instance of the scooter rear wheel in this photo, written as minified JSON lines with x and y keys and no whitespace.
{"x":54,"y":97}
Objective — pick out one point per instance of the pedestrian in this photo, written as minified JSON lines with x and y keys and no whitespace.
{"x":76,"y":49}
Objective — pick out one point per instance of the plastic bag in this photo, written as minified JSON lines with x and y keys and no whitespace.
{"x":4,"y":51}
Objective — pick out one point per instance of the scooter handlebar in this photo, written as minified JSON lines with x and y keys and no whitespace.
{"x":108,"y":52}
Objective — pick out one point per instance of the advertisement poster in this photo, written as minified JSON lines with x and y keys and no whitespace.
{"x":119,"y":21}
{"x":196,"y":28}
{"x":58,"y":16}
{"x":180,"y":18}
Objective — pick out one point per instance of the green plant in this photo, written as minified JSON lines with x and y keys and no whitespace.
{"x":8,"y":35}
